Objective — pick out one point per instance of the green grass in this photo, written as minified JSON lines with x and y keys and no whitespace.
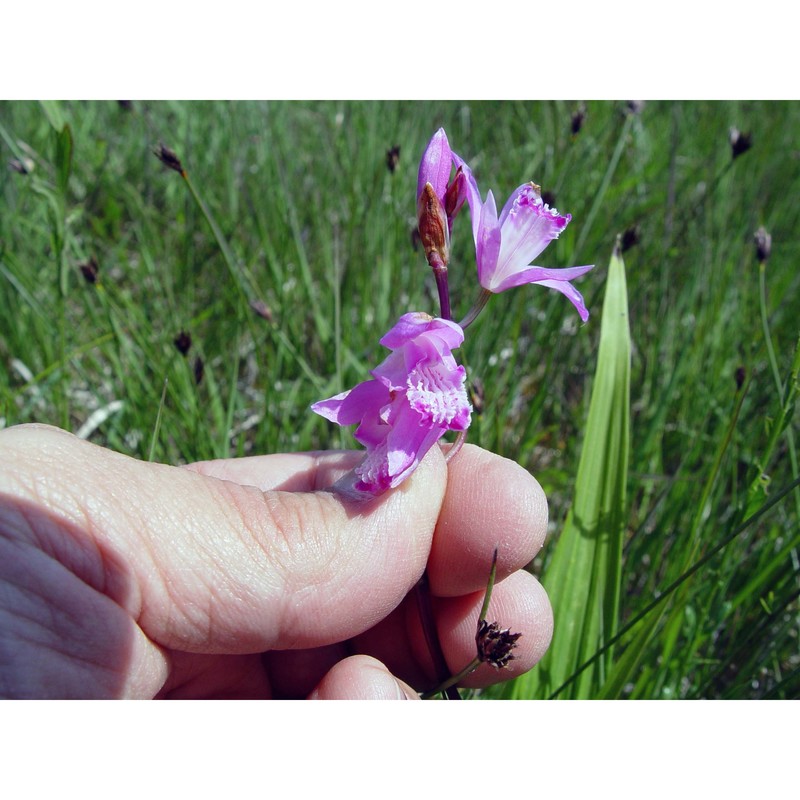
{"x":292,"y":204}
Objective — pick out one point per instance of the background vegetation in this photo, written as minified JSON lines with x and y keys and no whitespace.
{"x":183,"y":319}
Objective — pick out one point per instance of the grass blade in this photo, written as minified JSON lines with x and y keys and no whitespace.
{"x":583,"y":577}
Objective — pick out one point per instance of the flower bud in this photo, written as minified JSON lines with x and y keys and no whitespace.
{"x":433,"y":228}
{"x":455,"y":196}
{"x":435,"y":165}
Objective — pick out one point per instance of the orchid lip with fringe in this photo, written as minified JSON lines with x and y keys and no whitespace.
{"x":416,"y":395}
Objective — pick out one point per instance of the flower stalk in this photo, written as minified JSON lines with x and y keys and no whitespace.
{"x":493,"y":644}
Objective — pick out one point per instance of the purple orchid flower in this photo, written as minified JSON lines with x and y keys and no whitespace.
{"x":415,"y":396}
{"x":506,"y":246}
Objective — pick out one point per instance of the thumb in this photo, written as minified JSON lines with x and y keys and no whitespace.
{"x":215,"y":566}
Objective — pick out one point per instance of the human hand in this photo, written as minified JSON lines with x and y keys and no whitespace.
{"x":249,"y":578}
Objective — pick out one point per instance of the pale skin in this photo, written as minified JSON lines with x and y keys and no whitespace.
{"x":259,"y":577}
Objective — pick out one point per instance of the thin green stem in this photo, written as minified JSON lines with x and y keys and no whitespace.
{"x":477,"y":307}
{"x":452,"y":452}
{"x":776,"y":375}
{"x":242,"y":280}
{"x":157,"y":426}
{"x":453,"y":680}
{"x":586,"y":227}
{"x":762,"y":302}
{"x":489,"y":587}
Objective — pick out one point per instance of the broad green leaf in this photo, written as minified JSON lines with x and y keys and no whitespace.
{"x":583,"y":577}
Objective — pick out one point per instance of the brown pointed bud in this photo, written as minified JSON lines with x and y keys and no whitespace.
{"x":433,"y":228}
{"x":740,"y":142}
{"x":456,"y":195}
{"x":169,"y":158}
{"x":739,"y":376}
{"x":763,"y":244}
{"x":392,"y":157}
{"x":495,"y":644}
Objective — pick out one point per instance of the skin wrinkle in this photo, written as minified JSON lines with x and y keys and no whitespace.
{"x":317,"y":563}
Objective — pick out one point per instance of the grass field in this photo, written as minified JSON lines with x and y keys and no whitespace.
{"x":129,"y":293}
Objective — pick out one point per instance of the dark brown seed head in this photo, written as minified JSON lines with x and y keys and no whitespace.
{"x":630,"y":238}
{"x":495,"y":644}
{"x":740,"y":142}
{"x":90,"y":270}
{"x":392,"y":157}
{"x":763,"y":244}
{"x":183,"y":342}
{"x":169,"y":158}
{"x":577,"y":120}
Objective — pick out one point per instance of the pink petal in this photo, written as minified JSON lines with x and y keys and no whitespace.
{"x":571,"y":292}
{"x":539,"y":275}
{"x":488,"y":242}
{"x":349,"y":407}
{"x":408,"y":443}
{"x":412,"y":325}
{"x":472,"y":192}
